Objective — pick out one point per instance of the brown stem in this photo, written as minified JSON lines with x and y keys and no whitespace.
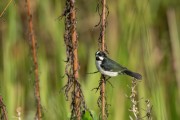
{"x":102,"y":48}
{"x":2,"y":106}
{"x":75,"y":61}
{"x":34,"y":54}
{"x":103,"y":25}
{"x":102,"y":93}
{"x":103,"y":107}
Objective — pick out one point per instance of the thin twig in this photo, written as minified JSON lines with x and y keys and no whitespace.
{"x":35,"y":61}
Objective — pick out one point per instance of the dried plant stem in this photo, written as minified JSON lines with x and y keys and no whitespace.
{"x":103,"y":25}
{"x":103,"y":88}
{"x":72,"y":65}
{"x":34,"y":54}
{"x":133,"y":97}
{"x":75,"y":62}
{"x":3,"y":108}
{"x":102,"y":92}
{"x":101,"y":43}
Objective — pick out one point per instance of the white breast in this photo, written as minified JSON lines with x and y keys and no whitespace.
{"x":108,"y":73}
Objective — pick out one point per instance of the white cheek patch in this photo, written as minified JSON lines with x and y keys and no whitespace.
{"x":101,"y":58}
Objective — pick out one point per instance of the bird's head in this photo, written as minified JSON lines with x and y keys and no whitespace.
{"x":100,"y":55}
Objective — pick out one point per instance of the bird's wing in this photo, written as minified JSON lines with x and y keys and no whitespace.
{"x":110,"y":65}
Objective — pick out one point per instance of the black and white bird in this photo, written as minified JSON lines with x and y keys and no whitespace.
{"x":108,"y":67}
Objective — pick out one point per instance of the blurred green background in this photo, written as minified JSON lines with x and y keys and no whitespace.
{"x":143,"y":35}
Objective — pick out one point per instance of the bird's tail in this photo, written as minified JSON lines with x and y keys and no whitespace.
{"x":133,"y":74}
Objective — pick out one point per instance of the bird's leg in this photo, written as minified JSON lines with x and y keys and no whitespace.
{"x":100,"y":83}
{"x":107,"y":80}
{"x":97,"y":88}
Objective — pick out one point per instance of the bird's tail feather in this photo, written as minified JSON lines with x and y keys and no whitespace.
{"x":133,"y":74}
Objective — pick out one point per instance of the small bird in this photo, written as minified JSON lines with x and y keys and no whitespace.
{"x":108,"y":67}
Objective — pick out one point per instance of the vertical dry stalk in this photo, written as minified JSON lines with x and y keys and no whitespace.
{"x":103,"y":25}
{"x":72,"y":65}
{"x":3,"y":109}
{"x":75,"y":61}
{"x":134,"y":107}
{"x":103,"y":97}
{"x":133,"y":97}
{"x":34,"y":55}
{"x":102,"y":48}
{"x":148,"y":110}
{"x":103,"y":88}
{"x":101,"y":43}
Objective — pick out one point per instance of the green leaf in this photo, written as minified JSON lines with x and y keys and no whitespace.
{"x":87,"y":116}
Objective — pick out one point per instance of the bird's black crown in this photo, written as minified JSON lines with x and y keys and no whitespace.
{"x":101,"y":54}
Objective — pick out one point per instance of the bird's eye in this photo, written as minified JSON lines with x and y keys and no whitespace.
{"x":97,"y":58}
{"x":100,"y":54}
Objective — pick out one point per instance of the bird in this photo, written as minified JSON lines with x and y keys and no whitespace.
{"x":109,"y":67}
